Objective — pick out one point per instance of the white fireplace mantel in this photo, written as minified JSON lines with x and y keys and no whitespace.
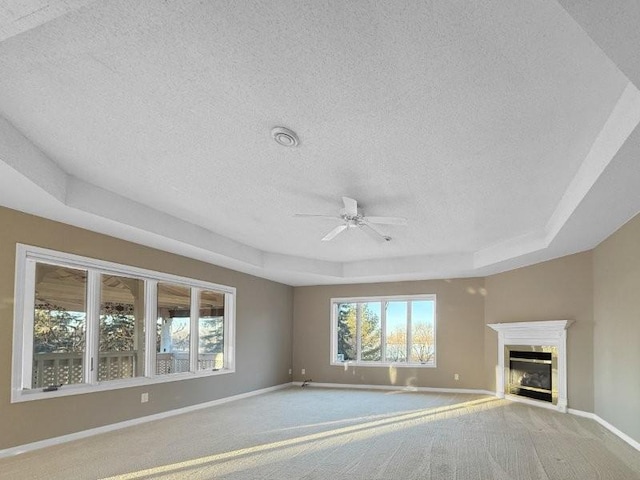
{"x":551,"y":333}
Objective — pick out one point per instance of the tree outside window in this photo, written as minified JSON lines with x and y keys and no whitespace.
{"x":385,"y":331}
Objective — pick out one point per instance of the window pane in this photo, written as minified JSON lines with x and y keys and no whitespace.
{"x":172,"y":334}
{"x":422,"y":322}
{"x":59,"y":326}
{"x":346,"y":332}
{"x":370,"y":331}
{"x":396,"y":332}
{"x":121,"y":335}
{"x":211,"y":331}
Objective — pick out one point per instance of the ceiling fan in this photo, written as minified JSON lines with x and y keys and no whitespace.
{"x":352,"y":217}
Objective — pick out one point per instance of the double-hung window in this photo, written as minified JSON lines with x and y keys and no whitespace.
{"x":394,"y":330}
{"x":84,"y":325}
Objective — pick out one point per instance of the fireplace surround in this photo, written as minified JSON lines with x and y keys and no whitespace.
{"x":532,"y":362}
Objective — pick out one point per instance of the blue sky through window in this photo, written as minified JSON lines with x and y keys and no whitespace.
{"x":422,"y":311}
{"x":396,"y":316}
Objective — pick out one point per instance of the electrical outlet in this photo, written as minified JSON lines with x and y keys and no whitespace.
{"x":290,"y":371}
{"x":456,"y":376}
{"x":303,"y":371}
{"x":144,"y":398}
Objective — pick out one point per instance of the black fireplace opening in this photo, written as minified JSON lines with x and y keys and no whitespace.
{"x":530,"y":374}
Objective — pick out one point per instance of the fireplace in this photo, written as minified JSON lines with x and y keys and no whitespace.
{"x":531,"y":372}
{"x":532,"y":362}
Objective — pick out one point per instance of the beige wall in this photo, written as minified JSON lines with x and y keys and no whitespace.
{"x":617,"y":329}
{"x":263,"y":335}
{"x":559,"y":289}
{"x":459,"y":335}
{"x":279,"y":326}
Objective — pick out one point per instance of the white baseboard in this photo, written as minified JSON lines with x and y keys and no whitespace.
{"x":581,"y":413}
{"x":397,"y":388}
{"x":635,"y":444}
{"x":8,"y":452}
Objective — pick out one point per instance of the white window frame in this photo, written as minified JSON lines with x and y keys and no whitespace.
{"x":26,"y":258}
{"x":369,"y":363}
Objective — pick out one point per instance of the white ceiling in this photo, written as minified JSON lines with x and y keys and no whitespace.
{"x":498,"y":129}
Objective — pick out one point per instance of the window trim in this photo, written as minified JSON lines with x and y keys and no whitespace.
{"x":383,"y":298}
{"x":22,"y":364}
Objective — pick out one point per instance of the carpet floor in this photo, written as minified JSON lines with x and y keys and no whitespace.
{"x":317,"y":433}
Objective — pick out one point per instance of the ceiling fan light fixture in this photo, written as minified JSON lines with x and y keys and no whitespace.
{"x":285,"y":137}
{"x":352,"y":218}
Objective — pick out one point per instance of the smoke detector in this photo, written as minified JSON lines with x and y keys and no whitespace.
{"x":285,"y":137}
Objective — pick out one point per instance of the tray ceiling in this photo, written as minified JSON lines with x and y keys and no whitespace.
{"x":492,"y":128}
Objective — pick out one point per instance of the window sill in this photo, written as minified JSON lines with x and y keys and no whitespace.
{"x":26,"y":395}
{"x":384,"y":364}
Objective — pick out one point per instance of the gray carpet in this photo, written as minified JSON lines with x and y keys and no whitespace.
{"x":316,"y":433}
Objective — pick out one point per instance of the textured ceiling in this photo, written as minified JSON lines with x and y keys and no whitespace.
{"x":485,"y":125}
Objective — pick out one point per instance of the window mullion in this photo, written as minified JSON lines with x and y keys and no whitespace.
{"x":383,"y":331}
{"x":151,"y":321}
{"x":358,"y":332}
{"x":92,"y":333}
{"x":409,"y":336}
{"x":194,"y":331}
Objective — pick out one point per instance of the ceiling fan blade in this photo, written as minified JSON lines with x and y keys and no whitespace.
{"x":333,"y":233}
{"x":372,"y":232}
{"x":350,"y":206}
{"x":387,"y":220}
{"x":333,"y":217}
